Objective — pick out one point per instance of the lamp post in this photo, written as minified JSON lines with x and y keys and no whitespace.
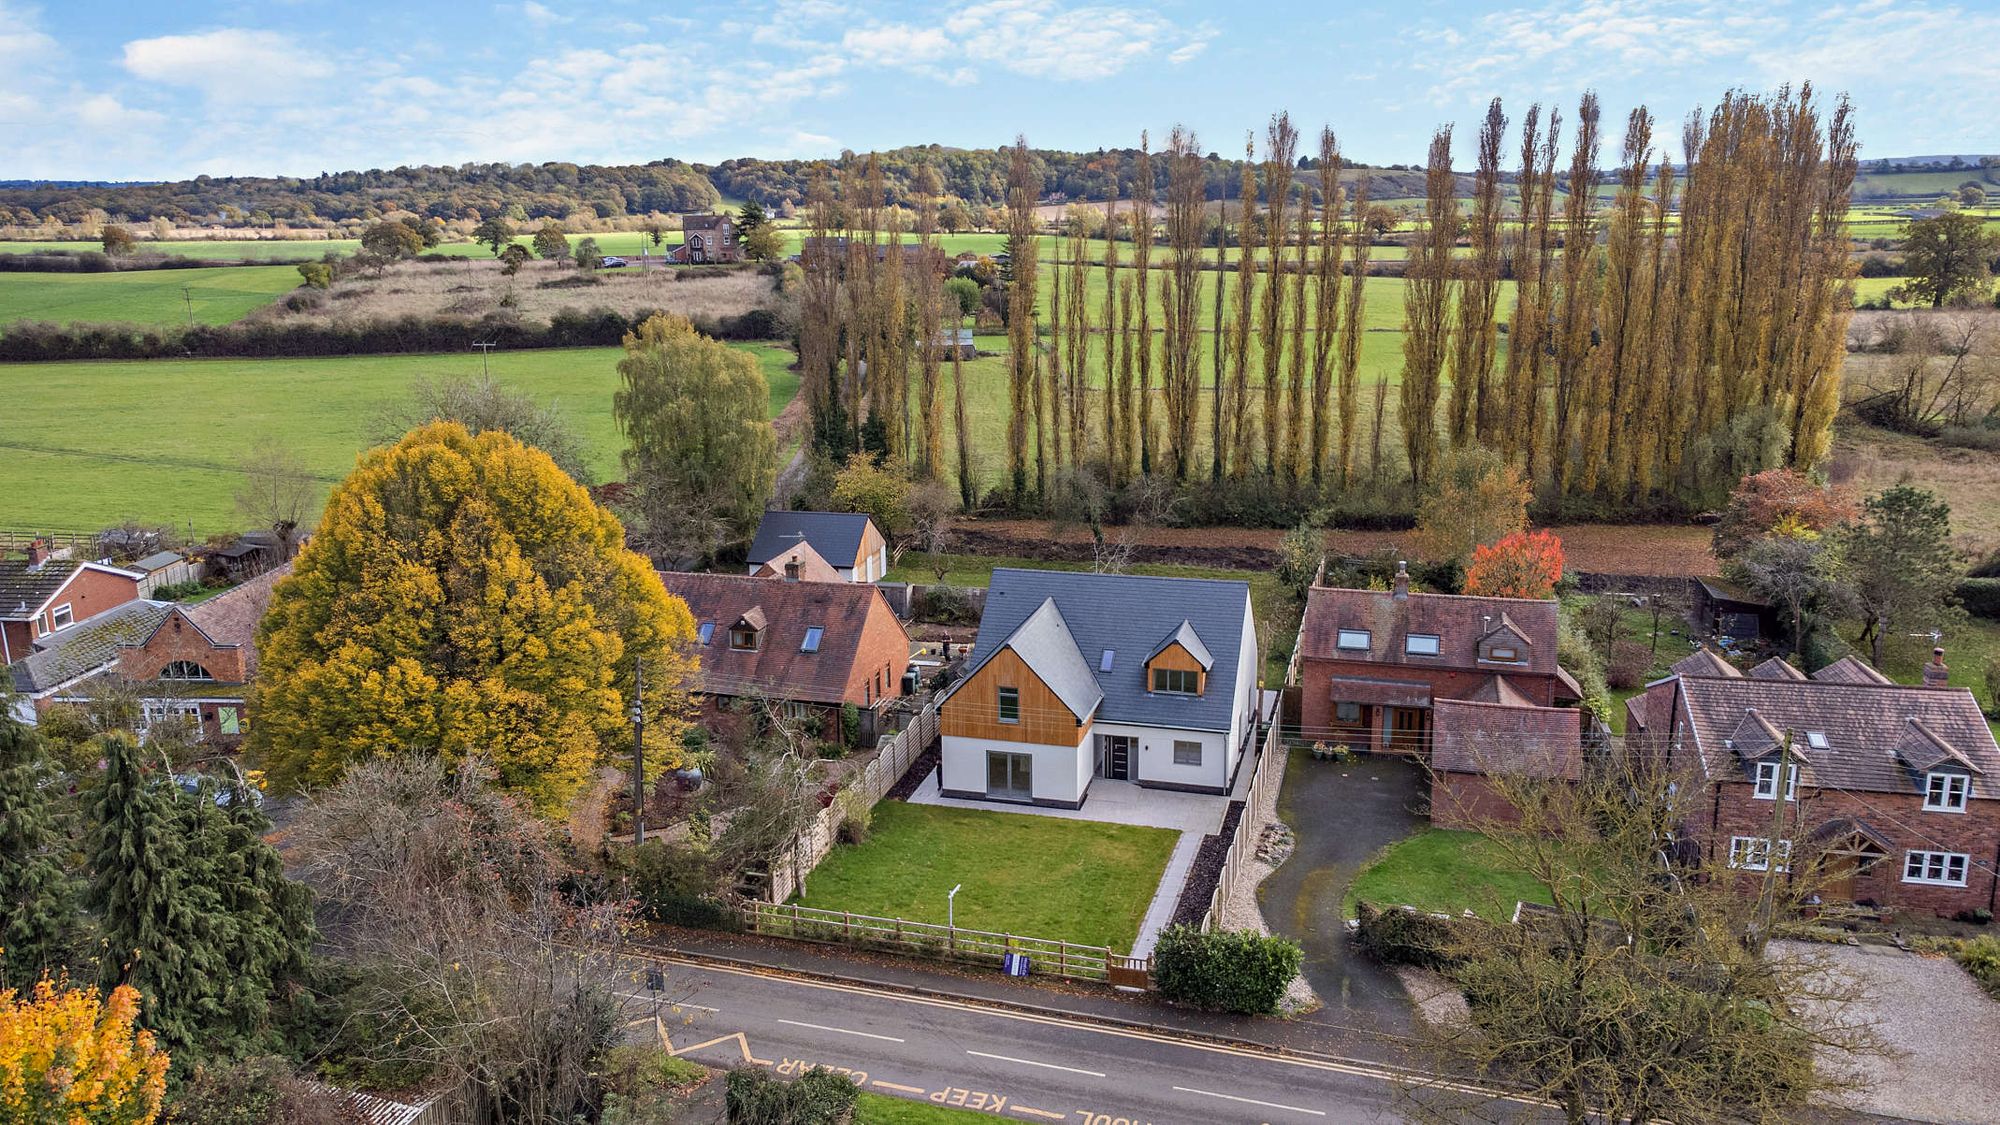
{"x":638,"y":754}
{"x":951,"y":908}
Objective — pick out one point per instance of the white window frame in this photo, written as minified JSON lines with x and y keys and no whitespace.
{"x":1767,"y":782}
{"x":1817,"y":739}
{"x":814,"y":635}
{"x":1945,"y":791}
{"x":1411,"y":648}
{"x":999,"y":704}
{"x":154,"y":710}
{"x":1926,"y":862}
{"x":1354,"y":640}
{"x":61,"y":617}
{"x":1753,"y":853}
{"x":1181,"y":753}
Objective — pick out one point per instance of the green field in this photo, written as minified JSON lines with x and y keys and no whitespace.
{"x":152,"y":297}
{"x":248,"y":250}
{"x":1036,"y":876}
{"x":92,"y":444}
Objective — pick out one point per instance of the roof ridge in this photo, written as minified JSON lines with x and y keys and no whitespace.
{"x":1091,"y":574}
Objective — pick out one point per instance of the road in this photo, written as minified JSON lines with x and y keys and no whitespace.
{"x":1016,"y":1065}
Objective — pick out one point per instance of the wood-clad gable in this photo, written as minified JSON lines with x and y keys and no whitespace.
{"x":1176,"y":657}
{"x":973,"y":711}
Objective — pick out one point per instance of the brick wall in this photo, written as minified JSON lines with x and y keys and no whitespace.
{"x":1465,"y":800}
{"x":178,"y":639}
{"x":883,"y":654}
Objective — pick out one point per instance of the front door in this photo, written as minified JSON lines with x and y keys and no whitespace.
{"x":1010,"y":777}
{"x":1116,"y":761}
{"x":1409,"y":729}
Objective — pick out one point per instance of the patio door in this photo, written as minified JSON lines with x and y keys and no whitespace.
{"x":1010,"y":777}
{"x":1114,"y":759}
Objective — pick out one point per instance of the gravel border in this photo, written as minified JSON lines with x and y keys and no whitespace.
{"x":1241,"y":911}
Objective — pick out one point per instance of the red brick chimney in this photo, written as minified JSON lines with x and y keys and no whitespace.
{"x":38,"y":552}
{"x":1402,"y":587}
{"x":1935,"y":673}
{"x":792,"y":569}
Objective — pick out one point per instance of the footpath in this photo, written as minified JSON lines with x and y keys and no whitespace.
{"x":1302,"y":1035}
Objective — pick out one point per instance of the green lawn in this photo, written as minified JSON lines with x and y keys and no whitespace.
{"x":881,"y":1109}
{"x":1444,"y":871}
{"x":154,"y":297}
{"x":1034,"y":876}
{"x":95,"y":443}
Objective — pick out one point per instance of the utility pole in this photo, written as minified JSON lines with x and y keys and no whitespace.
{"x":638,"y":753}
{"x":485,"y":349}
{"x":1767,"y":890}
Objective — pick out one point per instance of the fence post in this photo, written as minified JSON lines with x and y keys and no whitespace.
{"x":847,"y":927}
{"x":1062,"y":959}
{"x":795,"y":920}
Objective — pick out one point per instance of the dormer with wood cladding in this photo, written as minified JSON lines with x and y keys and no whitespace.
{"x":1180,"y":664}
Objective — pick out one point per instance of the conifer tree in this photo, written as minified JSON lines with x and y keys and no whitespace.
{"x":1281,"y":142}
{"x":1426,"y":309}
{"x":271,"y":915}
{"x":1328,"y":275}
{"x":38,"y":918}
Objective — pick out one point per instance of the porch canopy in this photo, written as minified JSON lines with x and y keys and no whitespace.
{"x":1387,"y":693}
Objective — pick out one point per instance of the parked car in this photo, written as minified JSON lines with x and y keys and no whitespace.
{"x":613,"y":262}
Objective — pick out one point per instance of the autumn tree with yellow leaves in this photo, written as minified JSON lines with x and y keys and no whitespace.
{"x":72,"y":1056}
{"x":464,"y":598}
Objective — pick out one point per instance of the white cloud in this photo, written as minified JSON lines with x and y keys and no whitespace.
{"x":230,"y":65}
{"x":541,"y":15}
{"x":107,"y":113}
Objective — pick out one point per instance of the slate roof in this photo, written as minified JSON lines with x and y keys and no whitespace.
{"x":1469,"y":736}
{"x":1128,"y":614}
{"x":1045,"y":644}
{"x":24,"y":588}
{"x":1850,"y":670}
{"x":1875,"y":732}
{"x":1187,"y":638}
{"x":86,"y":647}
{"x":835,"y":535}
{"x":156,"y":561}
{"x":1459,"y":621}
{"x":777,"y":669}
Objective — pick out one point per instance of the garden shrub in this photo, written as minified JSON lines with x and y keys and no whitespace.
{"x":1230,"y":971}
{"x":817,"y":1097}
{"x":676,"y":884}
{"x":1981,"y":958}
{"x":1397,"y":936}
{"x":1628,"y":664}
{"x":641,"y":1083}
{"x":1980,"y":597}
{"x":1575,"y":652}
{"x":850,"y":724}
{"x":857,"y":815}
{"x":944,"y":605}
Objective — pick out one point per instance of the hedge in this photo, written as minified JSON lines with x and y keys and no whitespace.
{"x":1981,"y":597}
{"x":1241,"y":971}
{"x":1402,"y":936}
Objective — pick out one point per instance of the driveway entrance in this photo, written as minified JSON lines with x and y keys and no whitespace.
{"x":1341,"y":815}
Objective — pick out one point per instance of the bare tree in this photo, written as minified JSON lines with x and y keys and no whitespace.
{"x":278,"y":492}
{"x":933,"y":525}
{"x":482,"y":404}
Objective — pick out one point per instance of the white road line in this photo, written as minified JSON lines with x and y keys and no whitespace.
{"x":1031,"y":1062}
{"x":1249,"y":1101}
{"x":664,"y":1001}
{"x":844,"y":1031}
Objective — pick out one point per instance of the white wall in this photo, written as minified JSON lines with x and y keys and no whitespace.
{"x":1155,"y":759}
{"x":1060,"y":772}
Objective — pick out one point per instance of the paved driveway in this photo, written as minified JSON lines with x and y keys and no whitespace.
{"x":1341,"y":814}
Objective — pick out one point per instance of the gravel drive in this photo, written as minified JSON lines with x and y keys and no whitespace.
{"x":1940,"y":1021}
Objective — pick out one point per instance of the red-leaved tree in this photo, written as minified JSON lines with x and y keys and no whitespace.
{"x":1779,"y":501}
{"x":1525,"y":564}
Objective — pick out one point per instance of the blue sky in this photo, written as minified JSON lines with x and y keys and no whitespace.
{"x":115,"y":90}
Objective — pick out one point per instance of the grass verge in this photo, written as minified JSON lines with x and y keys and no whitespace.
{"x":1445,"y":871}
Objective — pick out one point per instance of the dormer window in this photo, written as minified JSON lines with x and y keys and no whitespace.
{"x":743,"y":640}
{"x":1946,"y":792}
{"x":1421,"y":644}
{"x":1353,"y":640}
{"x":811,"y":643}
{"x":747,"y":635}
{"x":1767,"y":782}
{"x":1176,"y":681}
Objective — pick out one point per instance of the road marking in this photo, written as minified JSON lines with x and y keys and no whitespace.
{"x":1040,"y":1113}
{"x":674,"y":1004}
{"x":742,"y":1044}
{"x":897,"y":1086}
{"x":844,"y":1031}
{"x":1249,"y":1101}
{"x":1031,"y":1062}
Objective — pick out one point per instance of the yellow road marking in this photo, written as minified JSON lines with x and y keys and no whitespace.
{"x":1042,"y":1113}
{"x":742,"y":1044}
{"x":897,"y":1086}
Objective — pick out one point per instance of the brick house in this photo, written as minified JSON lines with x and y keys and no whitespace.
{"x":708,"y":238}
{"x":1373,"y":664}
{"x":808,"y":646}
{"x":200,"y":660}
{"x":849,"y":542}
{"x":1893,"y":791}
{"x":41,"y":595}
{"x":59,"y":666}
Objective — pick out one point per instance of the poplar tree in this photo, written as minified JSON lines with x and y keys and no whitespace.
{"x":1578,"y":297}
{"x":1629,"y":304}
{"x":1180,"y":292}
{"x":1326,"y":310}
{"x":932,"y":333}
{"x":1242,"y":454}
{"x":1022,"y":191}
{"x":1474,"y":399}
{"x":1534,"y":265}
{"x":1281,"y":142}
{"x":1052,"y":356}
{"x":1112,"y":332}
{"x":37,"y":899}
{"x":1350,"y":338}
{"x":819,"y":317}
{"x":1298,"y":446}
{"x":1078,"y":357}
{"x":1142,"y":258}
{"x":1426,"y":309}
{"x":892,"y":341}
{"x":1218,"y":347}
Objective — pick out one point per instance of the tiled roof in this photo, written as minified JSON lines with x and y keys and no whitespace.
{"x":1460,"y":623}
{"x":777,"y":668}
{"x":87,"y":646}
{"x":812,"y":568}
{"x":1045,"y":644}
{"x":835,"y":535}
{"x":1468,"y":736}
{"x":1129,"y":614}
{"x":1850,"y":670}
{"x":1776,"y":668}
{"x":1873,"y":731}
{"x":1704,"y":662}
{"x":231,"y":617}
{"x":24,"y":588}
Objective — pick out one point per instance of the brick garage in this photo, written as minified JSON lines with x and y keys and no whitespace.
{"x":1475,"y":739}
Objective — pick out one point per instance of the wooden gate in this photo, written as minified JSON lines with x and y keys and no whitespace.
{"x":1129,"y":972}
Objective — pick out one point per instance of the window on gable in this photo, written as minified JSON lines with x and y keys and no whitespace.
{"x":1946,"y":792}
{"x":184,"y":670}
{"x":1767,"y":782}
{"x":1177,"y":681}
{"x":1753,"y":853}
{"x":813,"y":634}
{"x":61,"y":617}
{"x":1352,"y":639}
{"x":1943,"y":868}
{"x":1421,"y":644}
{"x":1010,"y":705}
{"x":707,"y":631}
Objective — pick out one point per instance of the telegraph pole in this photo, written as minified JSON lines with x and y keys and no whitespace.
{"x":485,"y":349}
{"x":638,"y":753}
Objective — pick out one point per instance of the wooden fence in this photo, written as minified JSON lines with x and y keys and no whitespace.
{"x":928,"y":939}
{"x":873,"y":782}
{"x":1243,"y":844}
